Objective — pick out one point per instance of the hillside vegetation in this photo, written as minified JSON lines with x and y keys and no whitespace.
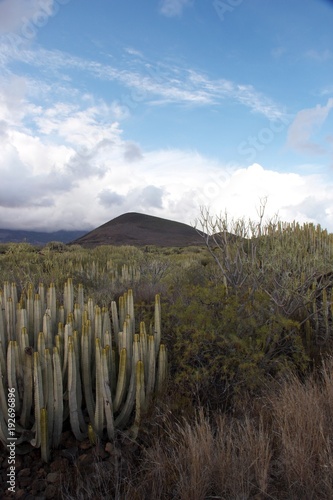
{"x":246,"y":319}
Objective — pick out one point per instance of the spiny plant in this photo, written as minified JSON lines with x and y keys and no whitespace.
{"x":95,"y":268}
{"x":281,"y":259}
{"x":73,"y":361}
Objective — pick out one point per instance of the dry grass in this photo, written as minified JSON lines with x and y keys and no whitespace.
{"x":280,"y":448}
{"x":210,"y":458}
{"x":243,"y":458}
{"x":302,"y":424}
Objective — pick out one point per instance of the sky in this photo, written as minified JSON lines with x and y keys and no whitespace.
{"x":165,"y":107}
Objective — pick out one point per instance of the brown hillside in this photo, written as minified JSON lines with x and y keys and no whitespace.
{"x":140,"y":230}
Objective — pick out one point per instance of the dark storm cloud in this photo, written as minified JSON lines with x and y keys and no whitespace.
{"x":20,"y":188}
{"x":142,"y":198}
{"x":109,"y":198}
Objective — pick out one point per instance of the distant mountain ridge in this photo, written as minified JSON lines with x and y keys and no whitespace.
{"x":138,"y":229}
{"x":38,"y":237}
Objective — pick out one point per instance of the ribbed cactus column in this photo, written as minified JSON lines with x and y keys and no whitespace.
{"x":41,"y":293}
{"x":58,"y":398}
{"x":151,"y":366}
{"x":144,"y":348}
{"x":86,"y":371}
{"x":9,"y":308}
{"x":21,"y":320}
{"x":51,"y":300}
{"x":30,"y":313}
{"x":12,"y":370}
{"x":122,"y":311}
{"x":77,"y":315}
{"x":80,"y":296}
{"x":107,"y":397}
{"x":38,"y":315}
{"x":115,"y":320}
{"x":140,"y":398}
{"x":121,"y":381}
{"x":27,"y":386}
{"x":3,"y":333}
{"x":157,"y":322}
{"x":49,"y":392}
{"x":68,"y":296}
{"x":127,"y":408}
{"x":38,"y":399}
{"x":106,"y":322}
{"x":130,"y":309}
{"x":47,"y":328}
{"x":76,"y":417}
{"x":99,"y":407}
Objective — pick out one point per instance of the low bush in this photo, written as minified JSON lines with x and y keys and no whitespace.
{"x":224,"y":344}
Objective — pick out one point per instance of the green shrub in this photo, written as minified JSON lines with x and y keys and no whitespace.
{"x":224,"y":344}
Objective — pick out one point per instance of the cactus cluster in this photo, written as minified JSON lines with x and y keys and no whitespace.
{"x":75,"y":361}
{"x":117,"y":273}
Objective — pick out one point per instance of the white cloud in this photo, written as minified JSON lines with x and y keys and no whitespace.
{"x":25,"y":17}
{"x":283,"y":190}
{"x":133,"y":52}
{"x":328,"y":90}
{"x":12,"y":99}
{"x":305,"y":124}
{"x":319,"y":56}
{"x":173,"y":8}
{"x":152,"y":83}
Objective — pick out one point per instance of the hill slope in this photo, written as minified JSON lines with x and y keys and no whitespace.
{"x":140,"y":229}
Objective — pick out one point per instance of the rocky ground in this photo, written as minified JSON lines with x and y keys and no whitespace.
{"x":73,"y":463}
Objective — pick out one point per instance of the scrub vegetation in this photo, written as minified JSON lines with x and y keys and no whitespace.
{"x":246,"y":319}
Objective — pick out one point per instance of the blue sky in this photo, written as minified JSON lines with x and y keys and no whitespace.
{"x":163,"y":107}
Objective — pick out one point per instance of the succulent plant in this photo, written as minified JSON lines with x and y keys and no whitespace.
{"x":73,"y":361}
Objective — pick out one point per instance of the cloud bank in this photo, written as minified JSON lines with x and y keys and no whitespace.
{"x":67,"y":166}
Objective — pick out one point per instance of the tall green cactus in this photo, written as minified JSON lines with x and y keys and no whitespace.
{"x":56,"y":356}
{"x":58,"y":398}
